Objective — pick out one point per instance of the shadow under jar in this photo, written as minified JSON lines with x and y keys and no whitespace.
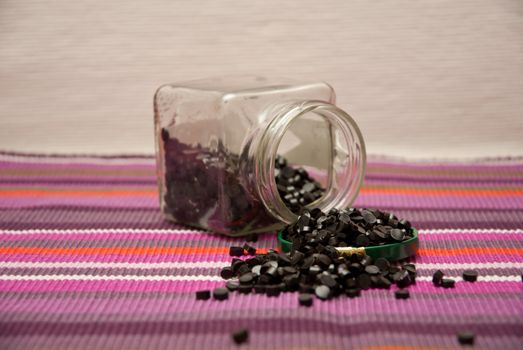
{"x":217,"y":141}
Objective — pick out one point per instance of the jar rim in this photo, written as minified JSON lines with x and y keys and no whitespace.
{"x":269,"y":142}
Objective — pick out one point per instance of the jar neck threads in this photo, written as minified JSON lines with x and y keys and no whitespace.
{"x":347,"y":163}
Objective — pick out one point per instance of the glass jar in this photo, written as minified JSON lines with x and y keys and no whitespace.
{"x":219,"y":141}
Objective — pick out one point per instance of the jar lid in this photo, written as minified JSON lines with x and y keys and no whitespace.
{"x":392,"y":252}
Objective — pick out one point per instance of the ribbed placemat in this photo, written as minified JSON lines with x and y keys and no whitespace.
{"x":87,"y":262}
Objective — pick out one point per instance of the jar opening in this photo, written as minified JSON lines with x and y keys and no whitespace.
{"x":322,"y":139}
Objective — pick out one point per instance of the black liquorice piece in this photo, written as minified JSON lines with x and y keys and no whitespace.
{"x":448,"y":283}
{"x":402,"y":294}
{"x":305,"y":299}
{"x":322,"y":292}
{"x":353,"y":292}
{"x":232,"y":285}
{"x":220,"y":294}
{"x":437,"y":278}
{"x":249,"y":249}
{"x":236,"y":251}
{"x":466,"y":338}
{"x":240,"y":336}
{"x":203,"y":295}
{"x":470,"y":275}
{"x":227,"y":273}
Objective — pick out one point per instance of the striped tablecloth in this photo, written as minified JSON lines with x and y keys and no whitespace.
{"x":87,"y":262}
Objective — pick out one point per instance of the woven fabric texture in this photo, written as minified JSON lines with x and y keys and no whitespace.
{"x":87,"y":262}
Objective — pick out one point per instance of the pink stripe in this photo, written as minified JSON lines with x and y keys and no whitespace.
{"x":223,"y":257}
{"x":364,"y":200}
{"x":448,"y":202}
{"x":203,"y":235}
{"x":180,"y":235}
{"x":471,"y":237}
{"x":287,"y":301}
{"x":181,"y":286}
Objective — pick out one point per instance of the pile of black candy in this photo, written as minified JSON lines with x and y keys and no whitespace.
{"x":315,"y":267}
{"x":295,"y":186}
{"x":347,"y":228}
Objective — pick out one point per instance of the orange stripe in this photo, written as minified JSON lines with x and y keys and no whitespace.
{"x":469,"y":251}
{"x":365,"y":190}
{"x":118,"y":250}
{"x":222,"y":250}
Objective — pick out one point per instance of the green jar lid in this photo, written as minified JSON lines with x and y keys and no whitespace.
{"x":392,"y":252}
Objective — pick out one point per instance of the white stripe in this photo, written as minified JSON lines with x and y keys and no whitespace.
{"x":486,"y":230}
{"x":487,"y":278}
{"x":77,"y":160}
{"x":109,"y":278}
{"x":460,"y":266}
{"x":185,"y":230}
{"x":219,"y":264}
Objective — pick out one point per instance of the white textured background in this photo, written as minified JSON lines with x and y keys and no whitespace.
{"x":422,"y":78}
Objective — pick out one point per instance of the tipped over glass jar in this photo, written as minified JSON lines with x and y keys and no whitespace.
{"x":244,"y":155}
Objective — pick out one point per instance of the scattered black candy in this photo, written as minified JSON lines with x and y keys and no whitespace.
{"x":470,"y":275}
{"x":353,"y":292}
{"x":241,"y":336}
{"x":466,"y":338}
{"x":397,"y":234}
{"x":314,"y":266}
{"x":437,"y":277}
{"x":448,"y":283}
{"x":305,"y":299}
{"x":246,"y":278}
{"x":272,"y":290}
{"x":363,"y":281}
{"x":402,"y":294}
{"x":227,"y":273}
{"x":203,"y":295}
{"x":220,"y":294}
{"x":383,"y":264}
{"x":236,"y":251}
{"x":372,"y":269}
{"x":250,"y":250}
{"x":322,"y":292}
{"x":232,"y":285}
{"x":245,"y":288}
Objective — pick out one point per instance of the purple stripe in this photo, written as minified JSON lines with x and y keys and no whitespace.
{"x":443,"y":238}
{"x":187,"y":287}
{"x":252,"y":303}
{"x":442,"y":183}
{"x":277,"y":324}
{"x":365,"y":200}
{"x":77,"y":181}
{"x":161,"y":224}
{"x":449,"y":202}
{"x":258,"y":340}
{"x":437,"y":180}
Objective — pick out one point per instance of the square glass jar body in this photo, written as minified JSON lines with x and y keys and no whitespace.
{"x":203,"y":133}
